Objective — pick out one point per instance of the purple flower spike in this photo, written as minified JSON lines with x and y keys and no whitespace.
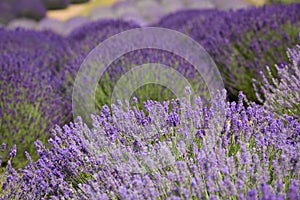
{"x":13,"y":151}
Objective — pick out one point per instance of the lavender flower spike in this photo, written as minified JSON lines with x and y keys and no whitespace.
{"x":282,"y":94}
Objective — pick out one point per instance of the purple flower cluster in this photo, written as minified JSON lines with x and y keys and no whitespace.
{"x":10,"y":9}
{"x":282,"y":94}
{"x":32,"y":82}
{"x":145,"y":12}
{"x":173,"y":149}
{"x":92,"y":34}
{"x":253,"y":156}
{"x":32,"y":9}
{"x":241,"y":42}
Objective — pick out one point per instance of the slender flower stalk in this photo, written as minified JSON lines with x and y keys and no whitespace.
{"x":282,"y":94}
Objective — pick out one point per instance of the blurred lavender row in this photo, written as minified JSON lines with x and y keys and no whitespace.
{"x":31,"y":9}
{"x":55,"y":25}
{"x":142,"y":12}
{"x":149,"y":11}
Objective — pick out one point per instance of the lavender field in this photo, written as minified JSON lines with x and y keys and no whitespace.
{"x":212,"y":108}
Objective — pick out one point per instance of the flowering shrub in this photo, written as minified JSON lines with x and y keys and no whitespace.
{"x":11,"y":9}
{"x":179,"y":19}
{"x":6,"y":12}
{"x":241,"y":41}
{"x":282,"y":94}
{"x":97,"y":32}
{"x":146,"y":12}
{"x":28,"y":111}
{"x":91,"y":34}
{"x":33,"y":9}
{"x":128,"y":61}
{"x":86,"y":38}
{"x":168,"y":149}
{"x":31,"y":84}
{"x":183,"y":152}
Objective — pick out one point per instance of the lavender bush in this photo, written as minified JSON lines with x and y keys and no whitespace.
{"x":33,"y":9}
{"x":167,"y":149}
{"x":32,"y":82}
{"x":92,"y":34}
{"x":177,"y":153}
{"x":11,"y":9}
{"x":6,"y":11}
{"x":149,"y":11}
{"x":282,"y":94}
{"x":178,"y":20}
{"x":150,"y":91}
{"x":97,"y":32}
{"x":28,"y":111}
{"x":241,"y":41}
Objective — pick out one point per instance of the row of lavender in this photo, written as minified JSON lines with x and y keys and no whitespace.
{"x":255,"y":153}
{"x":32,"y":9}
{"x":142,"y":12}
{"x":242,"y":42}
{"x":146,"y":12}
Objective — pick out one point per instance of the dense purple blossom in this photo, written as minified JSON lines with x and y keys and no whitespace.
{"x":33,"y":9}
{"x":146,"y":12}
{"x":165,"y":150}
{"x":92,"y":34}
{"x":282,"y":94}
{"x":179,"y":18}
{"x":30,"y":9}
{"x":32,"y":83}
{"x":10,"y":9}
{"x":6,"y":11}
{"x":242,"y":42}
{"x":117,"y":158}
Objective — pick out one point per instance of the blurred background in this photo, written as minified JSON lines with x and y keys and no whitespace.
{"x":62,"y":16}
